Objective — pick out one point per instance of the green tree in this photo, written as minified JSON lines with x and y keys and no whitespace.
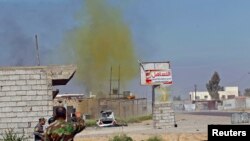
{"x":247,"y":92}
{"x":177,"y":98}
{"x":213,"y":86}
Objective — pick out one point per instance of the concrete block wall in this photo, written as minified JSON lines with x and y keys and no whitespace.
{"x":25,"y":96}
{"x":122,"y":108}
{"x":163,"y":115}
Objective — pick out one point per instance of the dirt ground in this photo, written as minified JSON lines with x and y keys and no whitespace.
{"x":189,"y":128}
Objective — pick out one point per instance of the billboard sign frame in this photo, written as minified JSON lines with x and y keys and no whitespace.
{"x":155,"y":73}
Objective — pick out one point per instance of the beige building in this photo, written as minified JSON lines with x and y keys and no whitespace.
{"x":228,"y":93}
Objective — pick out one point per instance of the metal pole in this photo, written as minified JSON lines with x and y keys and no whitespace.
{"x":119,"y":81}
{"x":110,"y":88}
{"x":37,"y":51}
{"x":195,"y":89}
{"x":153,"y":97}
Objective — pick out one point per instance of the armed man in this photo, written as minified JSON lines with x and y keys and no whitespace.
{"x":60,"y":130}
{"x":38,"y":131}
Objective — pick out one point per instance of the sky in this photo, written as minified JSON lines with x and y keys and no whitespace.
{"x":198,"y":37}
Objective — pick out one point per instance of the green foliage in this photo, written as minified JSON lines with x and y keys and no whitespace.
{"x":213,"y":86}
{"x":155,"y":138}
{"x":122,"y":137}
{"x":90,"y":122}
{"x":10,"y":135}
{"x":247,"y":92}
{"x":135,"y":119}
{"x":177,"y":98}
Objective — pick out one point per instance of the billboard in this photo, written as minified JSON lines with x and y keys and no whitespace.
{"x":155,"y":73}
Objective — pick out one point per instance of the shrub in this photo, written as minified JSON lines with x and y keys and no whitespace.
{"x":155,"y":138}
{"x":135,"y":119}
{"x":122,"y":137}
{"x":10,"y":135}
{"x":90,"y":122}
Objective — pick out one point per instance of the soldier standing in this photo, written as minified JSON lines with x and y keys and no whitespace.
{"x":60,"y":130}
{"x":38,"y":131}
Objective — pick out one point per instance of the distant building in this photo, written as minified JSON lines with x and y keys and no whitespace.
{"x":227,"y":93}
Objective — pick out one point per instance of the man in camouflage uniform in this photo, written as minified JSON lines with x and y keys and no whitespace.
{"x":38,"y":131}
{"x":60,"y":130}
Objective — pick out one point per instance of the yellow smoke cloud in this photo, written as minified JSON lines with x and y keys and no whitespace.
{"x":101,"y":41}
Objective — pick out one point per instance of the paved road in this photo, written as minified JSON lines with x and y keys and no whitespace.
{"x":188,"y":122}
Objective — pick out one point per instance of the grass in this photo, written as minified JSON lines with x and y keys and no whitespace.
{"x":90,"y":122}
{"x":155,"y":138}
{"x":135,"y":119}
{"x":122,"y":137}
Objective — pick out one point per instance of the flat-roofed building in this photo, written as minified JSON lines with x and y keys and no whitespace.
{"x":227,"y":93}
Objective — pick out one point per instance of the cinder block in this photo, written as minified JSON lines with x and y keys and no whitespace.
{"x":21,"y":114}
{"x":21,"y":93}
{"x":36,"y":76}
{"x":10,"y":93}
{"x":5,"y":120}
{"x":2,"y":82}
{"x":41,"y":82}
{"x":6,"y":88}
{"x":21,"y":103}
{"x":17,"y":109}
{"x":10,"y":83}
{"x":6,"y":109}
{"x":5,"y":98}
{"x":7,"y":104}
{"x":50,"y":113}
{"x":16,"y":98}
{"x":47,"y":108}
{"x":32,"y":114}
{"x":38,"y":98}
{"x":21,"y":82}
{"x":36,"y":87}
{"x":26,"y":88}
{"x":26,"y":98}
{"x":14,"y":77}
{"x":44,"y":87}
{"x":43,"y":113}
{"x":47,"y":97}
{"x":20,"y":72}
{"x":22,"y":125}
{"x":43,"y":76}
{"x":3,"y":125}
{"x":10,"y":72}
{"x":4,"y":77}
{"x":42,"y":92}
{"x":37,"y":108}
{"x":12,"y":125}
{"x":16,"y":119}
{"x":32,"y":92}
{"x":27,"y":108}
{"x":34,"y":103}
{"x":2,"y":93}
{"x":15,"y":88}
{"x":32,"y":82}
{"x":23,"y":77}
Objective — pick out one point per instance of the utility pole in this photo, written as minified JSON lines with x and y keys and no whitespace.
{"x":37,"y":51}
{"x":195,"y":89}
{"x":119,"y":79}
{"x":110,"y":88}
